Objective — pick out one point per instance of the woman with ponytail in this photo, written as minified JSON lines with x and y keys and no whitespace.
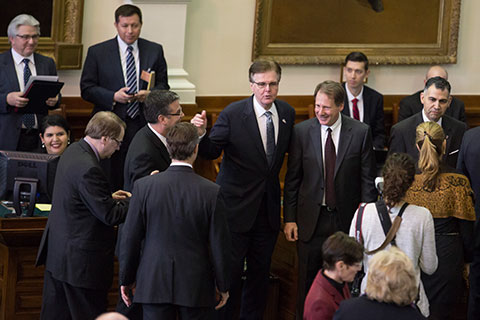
{"x":449,"y":198}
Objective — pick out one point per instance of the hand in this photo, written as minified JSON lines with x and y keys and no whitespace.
{"x":51,"y":102}
{"x":291,"y":231}
{"x":200,"y":121}
{"x":142,"y":95}
{"x":16,"y":99}
{"x":126,"y":292}
{"x":223,"y":297}
{"x":122,"y":96}
{"x":121,"y":194}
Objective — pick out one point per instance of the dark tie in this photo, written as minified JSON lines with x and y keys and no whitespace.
{"x":133,"y":107}
{"x":330,"y":158}
{"x":356,"y":113}
{"x":28,"y":119}
{"x":270,"y":138}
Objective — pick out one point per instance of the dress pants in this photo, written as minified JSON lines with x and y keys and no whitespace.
{"x":165,"y":311}
{"x":256,"y":248}
{"x":61,"y":301}
{"x":310,"y":254}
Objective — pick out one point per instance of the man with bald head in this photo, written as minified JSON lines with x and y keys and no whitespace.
{"x":412,"y":104}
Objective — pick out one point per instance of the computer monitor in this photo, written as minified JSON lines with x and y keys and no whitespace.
{"x":26,"y":177}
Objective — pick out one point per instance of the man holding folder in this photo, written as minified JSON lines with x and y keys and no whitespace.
{"x":18,"y":130}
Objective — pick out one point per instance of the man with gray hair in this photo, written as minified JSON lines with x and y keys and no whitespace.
{"x":19,"y":131}
{"x":78,"y":243}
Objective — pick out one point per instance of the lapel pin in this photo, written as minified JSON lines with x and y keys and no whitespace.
{"x":283,"y":120}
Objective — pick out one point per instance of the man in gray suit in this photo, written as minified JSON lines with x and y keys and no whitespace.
{"x":331,"y":170}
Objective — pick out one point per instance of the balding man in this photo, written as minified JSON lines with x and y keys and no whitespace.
{"x":412,"y":104}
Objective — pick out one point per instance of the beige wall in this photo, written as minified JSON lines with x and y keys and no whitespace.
{"x":218,"y":46}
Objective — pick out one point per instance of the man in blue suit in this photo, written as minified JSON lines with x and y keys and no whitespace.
{"x":111,"y":78}
{"x":19,"y":131}
{"x":254,"y":134}
{"x":361,"y":102}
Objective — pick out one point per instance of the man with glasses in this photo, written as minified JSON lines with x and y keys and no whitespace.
{"x":254,"y":135}
{"x":78,"y":243}
{"x":148,"y":153}
{"x":19,"y":131}
{"x":113,"y":78}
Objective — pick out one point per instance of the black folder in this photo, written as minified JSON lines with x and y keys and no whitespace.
{"x":38,"y":92}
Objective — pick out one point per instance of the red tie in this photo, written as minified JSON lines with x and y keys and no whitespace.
{"x":356,"y":113}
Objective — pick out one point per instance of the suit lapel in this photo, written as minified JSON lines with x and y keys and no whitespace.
{"x":142,"y":55}
{"x":316,"y":137}
{"x":366,"y":102}
{"x":9,"y":66}
{"x":447,"y":128}
{"x":158,"y":144}
{"x":251,"y":125}
{"x":282,"y":131}
{"x":116,"y":62}
{"x":343,"y":141}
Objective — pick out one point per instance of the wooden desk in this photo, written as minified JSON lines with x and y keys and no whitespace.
{"x":20,"y":282}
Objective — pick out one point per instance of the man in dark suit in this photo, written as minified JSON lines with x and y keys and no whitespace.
{"x":148,"y":153}
{"x":78,"y":243}
{"x":331,"y":170}
{"x":180,"y":258}
{"x":361,"y":102}
{"x":20,"y":131}
{"x":112,"y":78}
{"x":435,"y":98}
{"x":254,"y":135}
{"x":411,"y":105}
{"x":468,"y":165}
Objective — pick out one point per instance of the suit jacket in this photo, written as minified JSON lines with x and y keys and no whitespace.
{"x":145,"y":154}
{"x":402,"y":137}
{"x":373,"y":114}
{"x":180,"y":218}
{"x":304,"y":182}
{"x":323,"y":299}
{"x":364,"y":308}
{"x":245,"y":175}
{"x":411,"y":105}
{"x":78,"y":243}
{"x":102,"y":73}
{"x":468,"y":163}
{"x":10,"y":120}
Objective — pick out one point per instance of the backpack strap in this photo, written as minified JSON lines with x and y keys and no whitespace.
{"x":358,"y":224}
{"x":392,"y":232}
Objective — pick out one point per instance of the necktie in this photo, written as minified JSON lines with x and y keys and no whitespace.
{"x":28,"y":119}
{"x":270,"y":138}
{"x":330,"y":158}
{"x":356,"y":113}
{"x":133,"y":107}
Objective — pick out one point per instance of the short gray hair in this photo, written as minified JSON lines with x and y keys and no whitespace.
{"x":22,"y":20}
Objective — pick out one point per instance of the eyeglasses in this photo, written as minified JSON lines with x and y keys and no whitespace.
{"x":27,"y":37}
{"x":263,"y":85}
{"x":178,"y":113}
{"x":119,"y":143}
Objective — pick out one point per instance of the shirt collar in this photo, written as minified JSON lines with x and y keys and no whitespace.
{"x":162,"y":138}
{"x":335,"y":125}
{"x":93,"y":148}
{"x":123,"y":46}
{"x":180,"y":163}
{"x":425,"y":118}
{"x":260,"y":111}
{"x":351,"y":96}
{"x":18,"y":58}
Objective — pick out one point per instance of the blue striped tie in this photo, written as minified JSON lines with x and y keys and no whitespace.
{"x":133,"y":107}
{"x":28,"y":119}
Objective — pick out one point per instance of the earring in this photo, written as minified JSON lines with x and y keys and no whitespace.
{"x":68,"y":141}
{"x":43,"y":145}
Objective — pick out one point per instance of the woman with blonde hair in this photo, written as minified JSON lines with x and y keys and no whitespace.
{"x":392,"y":287}
{"x":449,"y":198}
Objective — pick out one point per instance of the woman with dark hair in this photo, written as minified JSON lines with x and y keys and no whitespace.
{"x":54,"y":134}
{"x":415,"y":235}
{"x":448,"y":196}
